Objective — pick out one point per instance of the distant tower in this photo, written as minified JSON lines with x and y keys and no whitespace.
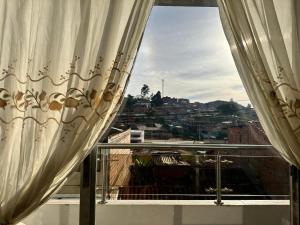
{"x":162,"y":87}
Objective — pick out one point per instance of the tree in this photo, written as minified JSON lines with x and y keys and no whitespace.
{"x":130,"y":101}
{"x":145,"y":90}
{"x":228,"y":108}
{"x":156,"y":99}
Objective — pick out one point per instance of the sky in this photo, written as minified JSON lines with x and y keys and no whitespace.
{"x":186,"y":47}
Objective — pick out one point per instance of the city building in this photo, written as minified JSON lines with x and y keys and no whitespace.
{"x":137,"y":136}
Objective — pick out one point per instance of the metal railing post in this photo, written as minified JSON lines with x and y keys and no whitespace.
{"x":104,"y":156}
{"x":294,"y":196}
{"x":87,"y":211}
{"x":197,"y":177}
{"x":218,"y":181}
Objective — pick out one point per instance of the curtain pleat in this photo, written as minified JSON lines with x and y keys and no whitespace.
{"x":264,"y":39}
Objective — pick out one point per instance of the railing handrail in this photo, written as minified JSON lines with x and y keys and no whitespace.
{"x":181,"y":146}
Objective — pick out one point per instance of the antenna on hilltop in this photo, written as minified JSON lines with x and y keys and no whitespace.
{"x":162,"y":87}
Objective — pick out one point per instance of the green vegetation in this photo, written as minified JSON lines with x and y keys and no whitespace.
{"x":142,"y":161}
{"x":156,"y":99}
{"x":145,"y":91}
{"x":229,"y":108}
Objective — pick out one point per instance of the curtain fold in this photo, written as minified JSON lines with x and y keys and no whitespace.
{"x":64,"y":67}
{"x":264,"y":39}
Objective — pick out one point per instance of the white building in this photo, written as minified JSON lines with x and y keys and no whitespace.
{"x":137,"y":136}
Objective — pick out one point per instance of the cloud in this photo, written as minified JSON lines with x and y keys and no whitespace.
{"x":187,"y":48}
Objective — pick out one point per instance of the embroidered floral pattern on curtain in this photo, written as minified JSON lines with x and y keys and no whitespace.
{"x":84,"y":101}
{"x":55,"y":101}
{"x":64,"y":67}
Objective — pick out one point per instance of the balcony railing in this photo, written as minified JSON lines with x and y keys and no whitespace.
{"x":191,"y":172}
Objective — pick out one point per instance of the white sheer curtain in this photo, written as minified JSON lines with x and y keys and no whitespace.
{"x":64,"y":67}
{"x":264,"y":40}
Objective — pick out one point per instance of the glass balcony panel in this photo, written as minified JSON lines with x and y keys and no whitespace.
{"x":254,"y":177}
{"x":161,"y":175}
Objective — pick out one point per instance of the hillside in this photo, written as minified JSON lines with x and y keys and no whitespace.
{"x":168,"y":117}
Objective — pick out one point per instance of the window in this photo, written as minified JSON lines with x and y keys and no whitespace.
{"x":185,"y":89}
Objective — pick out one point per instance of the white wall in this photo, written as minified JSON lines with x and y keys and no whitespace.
{"x":153,"y":213}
